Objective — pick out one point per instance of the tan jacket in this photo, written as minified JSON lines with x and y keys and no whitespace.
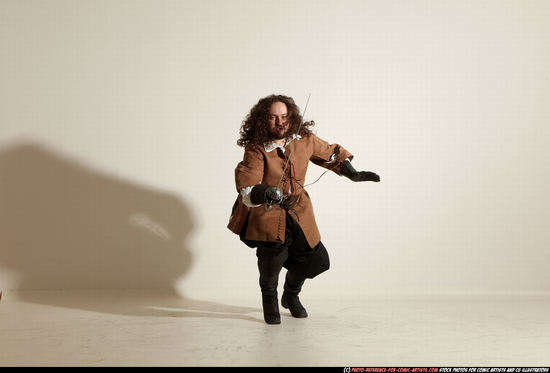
{"x":261,"y":167}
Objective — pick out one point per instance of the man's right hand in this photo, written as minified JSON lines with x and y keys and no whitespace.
{"x":266,"y":194}
{"x":273,"y":195}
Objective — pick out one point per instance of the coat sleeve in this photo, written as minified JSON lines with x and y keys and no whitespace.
{"x":329,"y":156}
{"x":250,"y":170}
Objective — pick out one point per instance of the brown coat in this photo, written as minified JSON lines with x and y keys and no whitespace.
{"x":261,"y":167}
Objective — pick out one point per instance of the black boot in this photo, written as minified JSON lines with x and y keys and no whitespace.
{"x":293,"y":304}
{"x":290,"y":299}
{"x":270,"y":301}
{"x":269,"y":267}
{"x":271,"y":309}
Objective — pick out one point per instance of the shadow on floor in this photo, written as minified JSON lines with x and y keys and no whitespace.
{"x":140,"y":303}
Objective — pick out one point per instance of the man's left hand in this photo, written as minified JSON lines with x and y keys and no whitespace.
{"x":365,"y":176}
{"x":354,"y":175}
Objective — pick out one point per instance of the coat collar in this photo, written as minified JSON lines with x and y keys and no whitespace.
{"x":270,"y":146}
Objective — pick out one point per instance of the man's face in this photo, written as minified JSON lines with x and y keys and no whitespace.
{"x":278,"y":120}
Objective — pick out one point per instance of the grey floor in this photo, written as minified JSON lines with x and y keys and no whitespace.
{"x":123,"y":328}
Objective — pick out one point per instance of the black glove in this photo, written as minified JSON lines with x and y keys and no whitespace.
{"x":354,"y":175}
{"x":266,"y":194}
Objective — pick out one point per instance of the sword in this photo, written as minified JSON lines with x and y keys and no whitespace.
{"x":277,"y":194}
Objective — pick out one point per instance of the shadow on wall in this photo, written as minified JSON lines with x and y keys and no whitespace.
{"x":64,"y":226}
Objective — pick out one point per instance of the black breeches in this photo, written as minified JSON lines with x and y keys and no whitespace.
{"x":301,"y":260}
{"x":270,"y":267}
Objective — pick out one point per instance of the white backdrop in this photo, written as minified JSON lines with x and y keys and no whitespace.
{"x":119,"y":121}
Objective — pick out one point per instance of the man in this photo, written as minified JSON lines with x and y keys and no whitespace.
{"x":273,"y":211}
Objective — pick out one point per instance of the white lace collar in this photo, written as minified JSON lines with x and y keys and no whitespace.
{"x":272,"y":146}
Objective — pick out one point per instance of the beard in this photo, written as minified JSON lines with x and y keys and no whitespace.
{"x":276,"y":135}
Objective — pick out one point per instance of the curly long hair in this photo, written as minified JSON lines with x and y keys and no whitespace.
{"x":254,"y":129}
